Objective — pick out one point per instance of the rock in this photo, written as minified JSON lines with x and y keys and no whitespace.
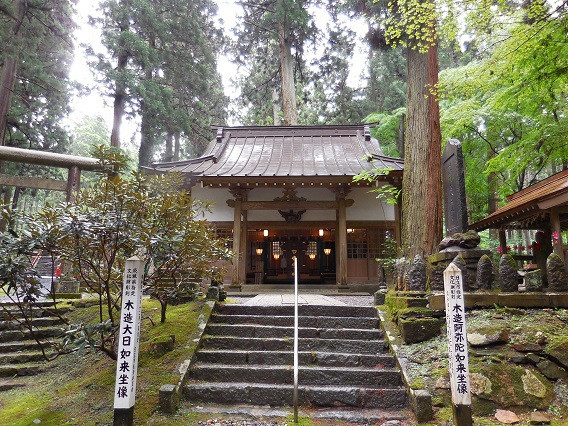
{"x":213,"y":293}
{"x":533,"y":358}
{"x":380,"y":297}
{"x":551,"y":370}
{"x":558,"y":350}
{"x":488,"y":336}
{"x":163,"y":344}
{"x":417,"y":275}
{"x":556,"y":273}
{"x":480,"y":384}
{"x":533,"y":281}
{"x":519,"y":359}
{"x":507,"y":417}
{"x":540,"y":418}
{"x":418,"y":329}
{"x":508,"y":275}
{"x":527,"y":347}
{"x":169,"y":399}
{"x":443,"y":383}
{"x":467,"y":240}
{"x":436,"y":277}
{"x":532,"y":385}
{"x":485,"y":275}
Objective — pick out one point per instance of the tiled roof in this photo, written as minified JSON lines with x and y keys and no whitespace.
{"x":301,"y":151}
{"x":524,"y":203}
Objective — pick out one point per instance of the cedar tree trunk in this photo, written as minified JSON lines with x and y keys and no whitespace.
{"x":120,"y":89}
{"x":422,"y":182}
{"x":289,"y":107}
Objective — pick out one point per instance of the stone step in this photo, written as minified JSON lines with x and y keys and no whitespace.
{"x":303,"y":310}
{"x":7,"y":384}
{"x":8,"y":314}
{"x":287,"y":358}
{"x":279,"y":331}
{"x":305,"y":344}
{"x":19,"y":370}
{"x":36,"y":322}
{"x":40,"y":333}
{"x":283,"y":374}
{"x":20,"y":357}
{"x":305,"y":321}
{"x":281,"y":395}
{"x":21,"y":345}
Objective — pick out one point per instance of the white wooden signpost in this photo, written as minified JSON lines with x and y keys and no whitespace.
{"x":128,"y":344}
{"x":457,"y":345}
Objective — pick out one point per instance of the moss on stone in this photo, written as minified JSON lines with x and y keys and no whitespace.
{"x":419,"y":383}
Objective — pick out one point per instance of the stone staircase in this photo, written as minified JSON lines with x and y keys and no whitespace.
{"x":20,"y":355}
{"x":246,"y":358}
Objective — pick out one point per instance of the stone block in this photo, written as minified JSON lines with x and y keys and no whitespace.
{"x":421,"y":404}
{"x":213,"y":293}
{"x":556,"y":273}
{"x":533,"y":281}
{"x":168,"y":398}
{"x":380,"y":296}
{"x":508,"y":276}
{"x":417,"y":330}
{"x":485,"y":275}
{"x":551,"y":371}
{"x":417,"y":275}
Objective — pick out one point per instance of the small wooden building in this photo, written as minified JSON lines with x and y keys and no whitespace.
{"x":284,"y":192}
{"x":542,"y":206}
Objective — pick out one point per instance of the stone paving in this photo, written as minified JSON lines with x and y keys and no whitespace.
{"x":288,"y":299}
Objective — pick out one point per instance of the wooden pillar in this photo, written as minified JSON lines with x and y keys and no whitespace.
{"x":503,"y":240}
{"x":397,"y":220}
{"x":556,"y":231}
{"x":244,"y":248}
{"x":73,"y":183}
{"x":341,"y":241}
{"x":236,"y":243}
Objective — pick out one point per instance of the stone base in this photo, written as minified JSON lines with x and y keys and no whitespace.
{"x":415,"y":330}
{"x":438,"y":262}
{"x":512,"y":300}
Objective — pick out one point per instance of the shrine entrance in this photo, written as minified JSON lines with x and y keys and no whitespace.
{"x":271,"y":257}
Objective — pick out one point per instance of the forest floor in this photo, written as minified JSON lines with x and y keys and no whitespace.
{"x":522,"y":372}
{"x":79,"y":388}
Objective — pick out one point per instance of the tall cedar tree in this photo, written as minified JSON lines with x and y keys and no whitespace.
{"x":35,"y":58}
{"x":161,"y":65}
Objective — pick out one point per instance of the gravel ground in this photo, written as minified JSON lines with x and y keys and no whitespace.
{"x":354,"y":300}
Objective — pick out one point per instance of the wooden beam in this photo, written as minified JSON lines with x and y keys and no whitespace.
{"x":33,"y":182}
{"x":503,"y":240}
{"x":73,"y":183}
{"x":311,"y":224}
{"x":290,"y":205}
{"x":556,"y":231}
{"x":32,"y":156}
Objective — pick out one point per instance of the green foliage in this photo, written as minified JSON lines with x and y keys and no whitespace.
{"x":124,"y":214}
{"x":509,"y":110}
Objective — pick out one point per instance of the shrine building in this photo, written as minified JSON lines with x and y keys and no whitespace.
{"x":280,"y":192}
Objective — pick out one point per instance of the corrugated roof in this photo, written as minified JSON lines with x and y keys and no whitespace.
{"x":524,"y":203}
{"x":291,"y":151}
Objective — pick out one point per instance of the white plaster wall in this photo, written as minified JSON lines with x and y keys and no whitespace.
{"x":218,"y":197}
{"x":368,"y":207}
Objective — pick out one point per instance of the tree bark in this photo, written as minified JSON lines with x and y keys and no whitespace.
{"x":176,"y":146}
{"x":400,"y":138}
{"x":289,"y":106}
{"x":422,"y":181}
{"x":145,"y":152}
{"x":168,"y":156}
{"x":9,"y":69}
{"x":276,"y":110}
{"x":120,"y":89}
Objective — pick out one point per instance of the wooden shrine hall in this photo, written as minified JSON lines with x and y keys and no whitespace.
{"x":284,"y":192}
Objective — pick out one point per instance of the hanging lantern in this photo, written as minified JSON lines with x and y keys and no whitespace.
{"x":265,"y":232}
{"x":276,"y":256}
{"x":312,"y":256}
{"x":321,"y":232}
{"x":349,"y":230}
{"x":327,"y":251}
{"x":259,"y":251}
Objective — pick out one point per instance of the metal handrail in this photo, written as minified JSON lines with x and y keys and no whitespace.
{"x":296,"y":340}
